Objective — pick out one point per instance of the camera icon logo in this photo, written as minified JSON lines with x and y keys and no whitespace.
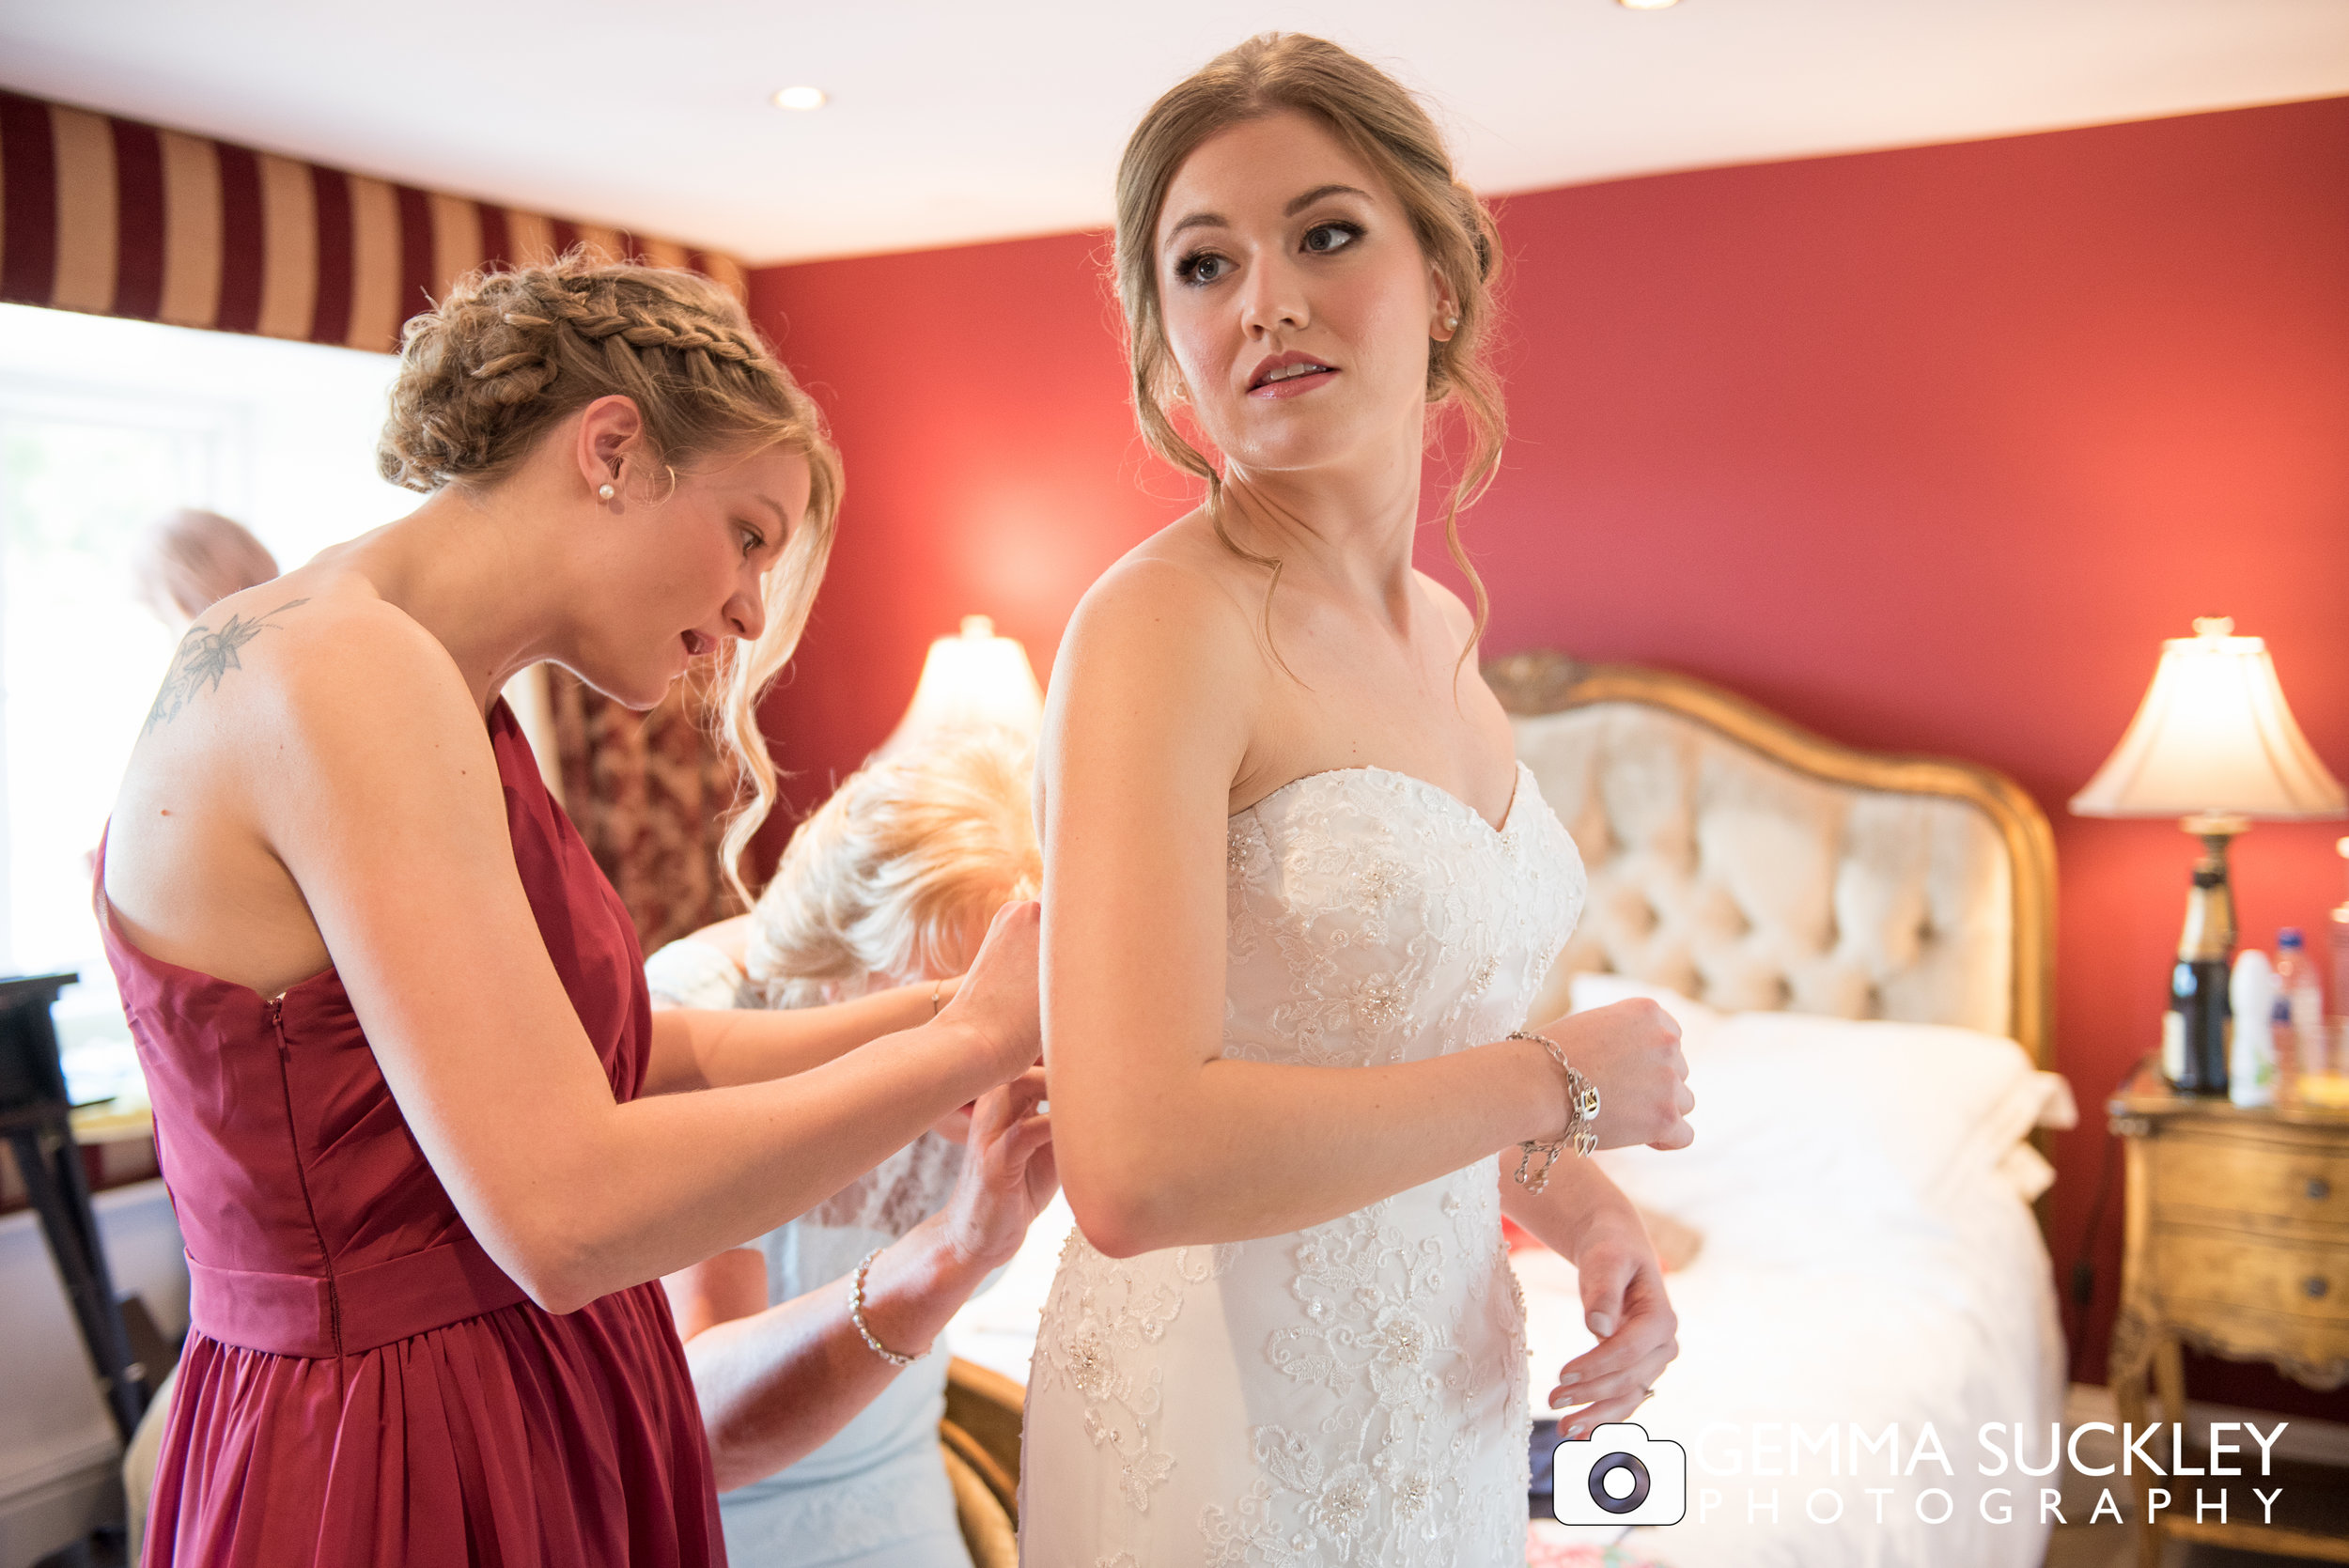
{"x":1619,"y":1475}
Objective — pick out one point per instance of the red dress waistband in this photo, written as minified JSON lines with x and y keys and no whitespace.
{"x":355,"y":1311}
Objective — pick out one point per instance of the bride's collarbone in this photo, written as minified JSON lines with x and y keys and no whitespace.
{"x":1334,"y":710}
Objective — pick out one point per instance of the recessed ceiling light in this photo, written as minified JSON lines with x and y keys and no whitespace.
{"x":1646,"y":4}
{"x":805,"y":98}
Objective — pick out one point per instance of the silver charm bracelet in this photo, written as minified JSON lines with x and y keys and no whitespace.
{"x":1582,"y":1118}
{"x":856,"y":1315}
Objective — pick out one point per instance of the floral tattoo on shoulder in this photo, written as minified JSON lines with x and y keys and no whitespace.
{"x":204,"y":657}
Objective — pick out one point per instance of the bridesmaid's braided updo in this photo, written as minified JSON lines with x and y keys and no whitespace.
{"x":509,"y":354}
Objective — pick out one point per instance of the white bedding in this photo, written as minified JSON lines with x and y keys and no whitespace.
{"x":1947,"y":1318}
{"x":1869,"y":1261}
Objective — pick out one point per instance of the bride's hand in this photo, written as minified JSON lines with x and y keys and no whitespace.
{"x":1630,"y":1051}
{"x":1623,"y":1303}
{"x":1008,"y":1174}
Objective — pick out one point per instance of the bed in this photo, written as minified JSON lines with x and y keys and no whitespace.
{"x":1860,"y":947}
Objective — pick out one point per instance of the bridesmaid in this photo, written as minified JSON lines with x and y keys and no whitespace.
{"x":429,"y":1147}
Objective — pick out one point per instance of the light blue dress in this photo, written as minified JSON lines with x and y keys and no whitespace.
{"x":876,"y":1495}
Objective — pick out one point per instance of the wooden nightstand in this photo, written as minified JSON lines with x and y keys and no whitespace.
{"x":2237,"y":1244}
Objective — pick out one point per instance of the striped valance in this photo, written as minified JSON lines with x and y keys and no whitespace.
{"x":119,"y":218}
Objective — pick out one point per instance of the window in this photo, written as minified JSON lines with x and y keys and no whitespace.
{"x":105,"y":426}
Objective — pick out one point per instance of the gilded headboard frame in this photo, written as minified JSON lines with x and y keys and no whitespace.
{"x":1535,"y":683}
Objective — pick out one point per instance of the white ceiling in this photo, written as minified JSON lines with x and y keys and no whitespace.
{"x":955,"y":121}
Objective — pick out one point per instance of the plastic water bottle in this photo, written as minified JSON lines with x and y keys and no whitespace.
{"x":2252,"y":1062}
{"x":2299,"y":1005}
{"x":2337,"y":1021}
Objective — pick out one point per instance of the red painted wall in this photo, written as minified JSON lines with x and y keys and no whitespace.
{"x":978,"y":397}
{"x":1926,"y":449}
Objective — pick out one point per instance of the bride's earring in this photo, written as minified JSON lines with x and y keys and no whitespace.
{"x":605,"y":491}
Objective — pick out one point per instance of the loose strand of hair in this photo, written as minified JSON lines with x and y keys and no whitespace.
{"x":1476,"y":586}
{"x":751,"y":668}
{"x":1473,"y":395}
{"x":1159,"y":432}
{"x":1274,"y":563}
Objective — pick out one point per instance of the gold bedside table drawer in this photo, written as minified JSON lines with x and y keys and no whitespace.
{"x":2237,"y":1244}
{"x":2313,"y":1350}
{"x":2254,"y":1272}
{"x":2307,"y":1185}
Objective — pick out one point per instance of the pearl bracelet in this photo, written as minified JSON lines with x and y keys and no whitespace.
{"x":856,"y":1315}
{"x":1582,"y":1118}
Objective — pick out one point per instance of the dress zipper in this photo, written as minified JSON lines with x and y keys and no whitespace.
{"x":334,"y":1295}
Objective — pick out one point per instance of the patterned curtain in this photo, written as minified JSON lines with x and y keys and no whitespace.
{"x":116,"y":218}
{"x":650,"y":793}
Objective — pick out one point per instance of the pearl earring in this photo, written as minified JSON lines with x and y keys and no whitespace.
{"x":1451,"y":324}
{"x":605,"y":493}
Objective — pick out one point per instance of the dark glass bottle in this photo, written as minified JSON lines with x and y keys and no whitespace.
{"x":2199,"y":1027}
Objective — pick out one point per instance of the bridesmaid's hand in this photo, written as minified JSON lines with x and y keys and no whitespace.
{"x":1630,"y":1051}
{"x":996,"y":999}
{"x":1623,"y":1303}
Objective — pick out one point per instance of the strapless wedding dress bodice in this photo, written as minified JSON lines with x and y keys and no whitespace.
{"x":1353,"y":1393}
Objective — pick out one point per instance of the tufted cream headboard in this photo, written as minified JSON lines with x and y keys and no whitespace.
{"x":1752,"y":865}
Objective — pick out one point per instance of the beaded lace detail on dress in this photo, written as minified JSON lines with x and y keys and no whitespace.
{"x":1353,"y":1393}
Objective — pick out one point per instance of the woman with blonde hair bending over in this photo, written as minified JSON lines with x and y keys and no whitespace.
{"x":429,"y":1148}
{"x":826,"y":1446}
{"x":1298,"y":897}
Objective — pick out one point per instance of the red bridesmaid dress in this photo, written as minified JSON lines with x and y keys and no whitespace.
{"x":361,"y":1383}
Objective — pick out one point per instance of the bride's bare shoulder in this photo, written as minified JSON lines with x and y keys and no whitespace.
{"x":1158,"y":666}
{"x":1180,"y":588}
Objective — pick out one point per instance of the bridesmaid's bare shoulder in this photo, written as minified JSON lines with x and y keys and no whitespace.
{"x":290,"y":715}
{"x":306,"y":650}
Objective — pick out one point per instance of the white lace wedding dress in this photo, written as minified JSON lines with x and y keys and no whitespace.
{"x":1353,"y":1393}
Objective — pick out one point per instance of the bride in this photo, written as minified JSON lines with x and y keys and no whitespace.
{"x":1298,"y":896}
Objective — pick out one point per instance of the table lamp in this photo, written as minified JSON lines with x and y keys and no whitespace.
{"x":975,"y":678}
{"x":2214,"y":744}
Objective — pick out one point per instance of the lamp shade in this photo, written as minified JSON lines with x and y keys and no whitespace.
{"x":2213,"y":737}
{"x":974,"y":680}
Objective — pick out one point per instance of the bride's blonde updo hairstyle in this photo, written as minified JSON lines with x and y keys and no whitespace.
{"x":1380,"y":121}
{"x":508,"y":354}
